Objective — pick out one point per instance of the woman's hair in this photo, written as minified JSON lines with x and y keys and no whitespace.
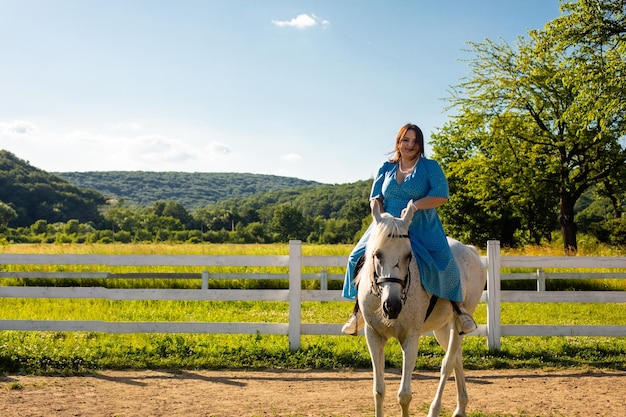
{"x":395,"y":154}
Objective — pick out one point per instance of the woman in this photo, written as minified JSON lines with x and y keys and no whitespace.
{"x":409,"y":175}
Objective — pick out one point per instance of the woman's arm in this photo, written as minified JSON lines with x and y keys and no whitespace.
{"x":378,"y":201}
{"x":429,"y":202}
{"x":426,"y":203}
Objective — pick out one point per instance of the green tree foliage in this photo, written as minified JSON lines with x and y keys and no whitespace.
{"x":536,"y":126}
{"x":175,"y":210}
{"x":276,"y":216}
{"x":37,"y":195}
{"x":288,"y":223}
{"x":7,"y":215}
{"x":154,"y":223}
{"x":245,"y":212}
{"x":191,"y":190}
{"x":593,"y":33}
{"x":331,"y":213}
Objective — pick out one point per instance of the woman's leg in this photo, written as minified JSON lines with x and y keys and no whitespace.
{"x":355,"y":322}
{"x":355,"y":263}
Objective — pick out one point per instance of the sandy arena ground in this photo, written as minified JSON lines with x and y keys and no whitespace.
{"x":304,"y":393}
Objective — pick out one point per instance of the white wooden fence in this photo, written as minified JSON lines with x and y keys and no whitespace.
{"x":295,"y":261}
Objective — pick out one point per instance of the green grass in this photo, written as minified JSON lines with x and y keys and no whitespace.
{"x":71,"y":352}
{"x":76,"y":352}
{"x":278,"y":312}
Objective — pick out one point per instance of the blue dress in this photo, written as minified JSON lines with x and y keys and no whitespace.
{"x":438,"y":270}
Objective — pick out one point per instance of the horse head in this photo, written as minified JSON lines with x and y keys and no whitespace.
{"x":390,"y":251}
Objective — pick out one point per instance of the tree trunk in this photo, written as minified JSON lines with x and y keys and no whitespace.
{"x":615,"y":202}
{"x":568,"y":226}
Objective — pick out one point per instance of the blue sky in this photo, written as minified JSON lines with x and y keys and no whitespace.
{"x":309,"y":89}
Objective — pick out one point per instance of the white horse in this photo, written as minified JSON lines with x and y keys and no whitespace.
{"x":395,"y":304}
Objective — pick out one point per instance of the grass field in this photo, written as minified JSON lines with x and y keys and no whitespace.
{"x":74,"y":352}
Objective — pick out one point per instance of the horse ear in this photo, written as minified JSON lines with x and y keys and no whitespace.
{"x":376,"y":213}
{"x":408,"y":214}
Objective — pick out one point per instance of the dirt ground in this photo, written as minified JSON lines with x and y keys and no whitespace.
{"x":304,"y":393}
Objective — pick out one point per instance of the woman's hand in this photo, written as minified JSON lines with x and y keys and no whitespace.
{"x":378,"y":201}
{"x":427,"y":202}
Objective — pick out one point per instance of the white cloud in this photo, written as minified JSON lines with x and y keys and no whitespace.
{"x":216,"y":148}
{"x":16,"y":128}
{"x":160,"y":150}
{"x":302,"y":21}
{"x":89,"y":149}
{"x":291,"y":157}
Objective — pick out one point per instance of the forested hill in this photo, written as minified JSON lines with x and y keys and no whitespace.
{"x":192,"y":190}
{"x":28,"y":194}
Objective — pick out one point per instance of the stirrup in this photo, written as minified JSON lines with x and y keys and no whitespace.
{"x":465,"y":322}
{"x":354,"y":324}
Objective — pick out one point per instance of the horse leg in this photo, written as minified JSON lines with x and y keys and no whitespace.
{"x":376,"y":345}
{"x":451,"y":341}
{"x":461,"y":389}
{"x":409,"y":357}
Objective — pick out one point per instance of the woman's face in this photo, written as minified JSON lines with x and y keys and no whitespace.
{"x":409,"y":147}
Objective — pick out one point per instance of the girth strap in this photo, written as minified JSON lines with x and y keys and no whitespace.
{"x":431,"y":306}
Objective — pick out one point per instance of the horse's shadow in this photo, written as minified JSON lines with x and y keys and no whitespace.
{"x":139,"y":380}
{"x":237,"y":380}
{"x":241,"y":379}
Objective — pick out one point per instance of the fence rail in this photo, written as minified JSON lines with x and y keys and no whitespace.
{"x":295,"y":295}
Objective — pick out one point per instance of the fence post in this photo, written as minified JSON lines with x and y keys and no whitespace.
{"x":493,"y":294}
{"x":324,"y":280}
{"x":541,"y":280}
{"x":295,"y":293}
{"x":205,"y":280}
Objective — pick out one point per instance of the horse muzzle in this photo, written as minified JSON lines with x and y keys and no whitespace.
{"x":392,"y":307}
{"x":390,"y":300}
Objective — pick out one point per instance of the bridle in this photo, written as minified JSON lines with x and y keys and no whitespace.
{"x":405,"y":283}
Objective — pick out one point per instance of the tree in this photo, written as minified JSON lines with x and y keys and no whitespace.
{"x":177,"y":211}
{"x":7,"y":215}
{"x":37,"y":195}
{"x":39,"y":227}
{"x":593,"y":32}
{"x":288,"y":223}
{"x":526,"y":141}
{"x":356,"y":211}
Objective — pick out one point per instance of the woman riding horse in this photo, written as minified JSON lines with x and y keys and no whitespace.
{"x":409,"y":175}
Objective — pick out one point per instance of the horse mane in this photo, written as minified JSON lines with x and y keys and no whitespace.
{"x":382,"y":232}
{"x":387,"y":228}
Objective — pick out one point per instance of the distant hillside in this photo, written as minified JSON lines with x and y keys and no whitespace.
{"x":336,"y":201}
{"x":37,"y":195}
{"x":192,"y":190}
{"x":33,"y":194}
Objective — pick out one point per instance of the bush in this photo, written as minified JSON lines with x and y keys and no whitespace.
{"x":617,"y":229}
